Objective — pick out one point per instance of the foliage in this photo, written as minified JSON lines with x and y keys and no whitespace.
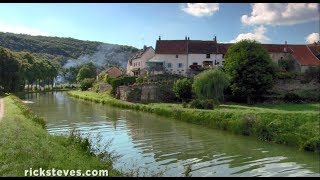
{"x":312,"y":73}
{"x":202,"y":104}
{"x":18,"y":69}
{"x":86,"y":83}
{"x":165,"y":92}
{"x":287,"y":64}
{"x":250,"y":69}
{"x":183,"y":89}
{"x":66,"y":47}
{"x":293,"y":97}
{"x":86,"y":71}
{"x":134,"y":95}
{"x":210,"y":84}
{"x":120,"y":81}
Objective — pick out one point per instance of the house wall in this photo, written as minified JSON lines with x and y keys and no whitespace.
{"x":140,"y":62}
{"x":275,"y":56}
{"x":171,"y":58}
{"x":199,"y":58}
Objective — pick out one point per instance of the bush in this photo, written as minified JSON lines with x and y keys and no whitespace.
{"x":292,"y":98}
{"x":165,"y":92}
{"x":86,"y":83}
{"x":120,"y":81}
{"x":183,"y":89}
{"x":312,"y":73}
{"x":202,"y":104}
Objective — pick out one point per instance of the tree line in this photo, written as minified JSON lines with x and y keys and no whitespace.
{"x":21,"y":69}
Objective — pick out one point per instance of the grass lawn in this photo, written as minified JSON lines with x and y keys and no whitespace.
{"x":25,"y":144}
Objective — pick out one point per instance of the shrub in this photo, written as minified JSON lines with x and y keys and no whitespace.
{"x":86,"y":83}
{"x":292,"y":97}
{"x":202,"y":104}
{"x":183,"y":89}
{"x":210,"y":84}
{"x":312,"y":73}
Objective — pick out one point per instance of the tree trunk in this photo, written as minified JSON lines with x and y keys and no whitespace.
{"x":249,"y":99}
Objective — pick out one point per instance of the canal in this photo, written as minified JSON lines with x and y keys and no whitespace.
{"x":155,"y":145}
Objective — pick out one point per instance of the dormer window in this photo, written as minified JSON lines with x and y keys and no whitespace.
{"x":208,"y":56}
{"x":177,"y":56}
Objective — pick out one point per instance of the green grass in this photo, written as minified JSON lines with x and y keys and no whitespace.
{"x":290,"y":124}
{"x":25,"y":144}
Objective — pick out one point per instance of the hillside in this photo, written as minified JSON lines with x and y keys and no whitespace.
{"x":69,"y":51}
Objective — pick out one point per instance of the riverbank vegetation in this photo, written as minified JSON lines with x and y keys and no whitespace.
{"x":291,"y":124}
{"x":25,"y":144}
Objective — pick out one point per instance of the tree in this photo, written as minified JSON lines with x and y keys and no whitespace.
{"x":86,"y":72}
{"x":9,"y":71}
{"x":250,"y":69}
{"x":183,"y":89}
{"x":210,"y":84}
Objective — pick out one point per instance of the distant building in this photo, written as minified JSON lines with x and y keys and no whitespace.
{"x":113,"y":72}
{"x":184,"y":56}
{"x":137,"y":64}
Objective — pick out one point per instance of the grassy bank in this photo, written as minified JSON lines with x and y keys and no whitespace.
{"x":25,"y":144}
{"x":291,"y":124}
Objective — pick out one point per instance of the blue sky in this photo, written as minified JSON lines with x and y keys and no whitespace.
{"x":137,"y":24}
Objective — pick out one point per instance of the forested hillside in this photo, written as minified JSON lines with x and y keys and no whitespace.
{"x":68,"y":49}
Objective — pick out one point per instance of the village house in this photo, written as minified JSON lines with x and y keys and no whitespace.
{"x":113,"y":72}
{"x":137,"y":64}
{"x":184,"y":56}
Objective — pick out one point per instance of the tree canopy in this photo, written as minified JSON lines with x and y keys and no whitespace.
{"x":250,"y":69}
{"x":210,"y":84}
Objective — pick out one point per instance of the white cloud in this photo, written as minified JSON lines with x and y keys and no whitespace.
{"x":18,"y":29}
{"x":258,"y":35}
{"x":313,"y":37}
{"x":200,"y":9}
{"x":281,"y":13}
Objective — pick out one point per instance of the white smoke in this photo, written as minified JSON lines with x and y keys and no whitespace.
{"x":106,"y":55}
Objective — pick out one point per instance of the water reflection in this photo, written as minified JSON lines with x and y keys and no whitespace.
{"x":161,"y":144}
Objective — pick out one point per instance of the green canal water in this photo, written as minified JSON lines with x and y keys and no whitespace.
{"x":151,"y":144}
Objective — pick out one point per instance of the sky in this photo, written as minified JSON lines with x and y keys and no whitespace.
{"x":138,"y":24}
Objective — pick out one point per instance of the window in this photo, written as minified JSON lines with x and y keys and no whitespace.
{"x":195,"y":63}
{"x":208,"y":56}
{"x":179,"y":65}
{"x":281,"y":57}
{"x":169,"y":65}
{"x":139,"y":64}
{"x":177,"y":56}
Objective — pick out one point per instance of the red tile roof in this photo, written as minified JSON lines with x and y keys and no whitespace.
{"x":140,"y":53}
{"x":202,"y":47}
{"x":304,"y":55}
{"x":171,"y":47}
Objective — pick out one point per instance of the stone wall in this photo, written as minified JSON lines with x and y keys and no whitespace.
{"x":105,"y":87}
{"x":148,"y":91}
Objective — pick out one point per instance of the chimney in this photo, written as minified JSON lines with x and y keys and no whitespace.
{"x":285,"y":47}
{"x":215,"y":39}
{"x":159,"y":38}
{"x":144,"y":47}
{"x":188,"y":38}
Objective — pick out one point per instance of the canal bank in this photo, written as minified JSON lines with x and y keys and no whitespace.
{"x":25,"y":144}
{"x":288,"y":125}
